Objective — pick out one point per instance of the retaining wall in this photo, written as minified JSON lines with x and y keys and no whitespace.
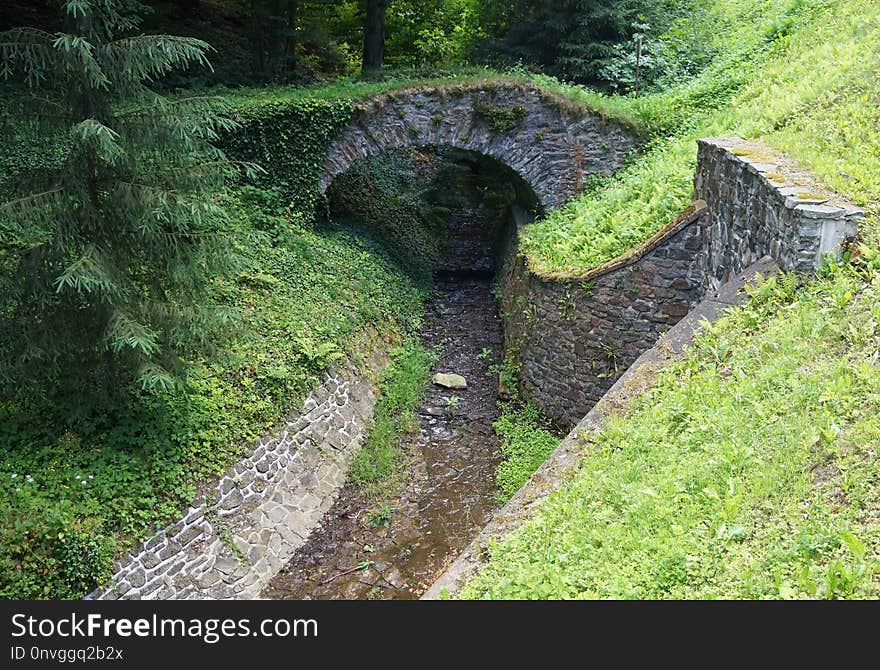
{"x":574,"y":337}
{"x":247,"y":525}
{"x":760,"y":203}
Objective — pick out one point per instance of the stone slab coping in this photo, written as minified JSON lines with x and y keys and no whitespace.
{"x":562,"y":463}
{"x":798,"y":189}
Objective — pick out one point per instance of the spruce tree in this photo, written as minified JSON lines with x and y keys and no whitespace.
{"x":570,"y":38}
{"x":107,"y":253}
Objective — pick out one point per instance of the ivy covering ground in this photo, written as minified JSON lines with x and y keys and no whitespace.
{"x":77,"y":482}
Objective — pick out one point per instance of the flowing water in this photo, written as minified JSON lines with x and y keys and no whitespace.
{"x":450,"y":491}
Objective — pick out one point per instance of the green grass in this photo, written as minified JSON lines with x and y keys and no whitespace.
{"x":377,"y":466}
{"x":353,"y":89}
{"x":751,"y":471}
{"x":70,"y":470}
{"x":801,"y":75}
{"x":526,"y":442}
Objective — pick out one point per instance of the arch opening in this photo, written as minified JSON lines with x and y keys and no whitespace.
{"x":553,"y":146}
{"x":439,"y":210}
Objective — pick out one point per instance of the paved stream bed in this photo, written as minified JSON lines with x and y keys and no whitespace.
{"x":449,"y":493}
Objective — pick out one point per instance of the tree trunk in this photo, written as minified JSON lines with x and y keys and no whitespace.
{"x":290,"y":47}
{"x":374,"y":39}
{"x":257,"y":25}
{"x":274,"y":34}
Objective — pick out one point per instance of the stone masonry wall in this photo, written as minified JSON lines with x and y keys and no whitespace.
{"x":761,"y":203}
{"x":550,"y":144}
{"x":248,"y":525}
{"x":573,"y":338}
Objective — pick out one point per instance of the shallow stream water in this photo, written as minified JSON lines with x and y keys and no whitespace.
{"x":450,"y":490}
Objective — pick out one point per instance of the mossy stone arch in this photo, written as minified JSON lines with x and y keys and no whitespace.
{"x":553,"y":144}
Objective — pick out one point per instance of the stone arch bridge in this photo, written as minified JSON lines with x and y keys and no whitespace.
{"x":552,"y":143}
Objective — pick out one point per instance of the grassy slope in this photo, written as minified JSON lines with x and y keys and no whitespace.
{"x":306,"y":299}
{"x":799,"y":74}
{"x":753,"y":469}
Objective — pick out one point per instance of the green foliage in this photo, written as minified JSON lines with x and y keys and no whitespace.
{"x":380,"y":516}
{"x":261,"y":41}
{"x":377,"y":466}
{"x":119,"y":471}
{"x":394,"y":194}
{"x":762,"y":83}
{"x":751,"y":471}
{"x":508,"y":372}
{"x":83,"y":560}
{"x":526,"y":442}
{"x":501,"y":120}
{"x":451,"y":401}
{"x":108,"y":251}
{"x":288,"y":139}
{"x":47,"y":551}
{"x":431,"y":32}
{"x":570,"y":38}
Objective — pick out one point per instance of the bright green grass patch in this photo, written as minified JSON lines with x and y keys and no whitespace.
{"x":76,"y":478}
{"x":751,"y":471}
{"x":351,"y":89}
{"x":801,"y":75}
{"x":377,"y":466}
{"x":526,"y":442}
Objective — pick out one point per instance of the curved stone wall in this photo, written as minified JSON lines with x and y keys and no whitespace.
{"x":553,"y":145}
{"x":574,"y":338}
